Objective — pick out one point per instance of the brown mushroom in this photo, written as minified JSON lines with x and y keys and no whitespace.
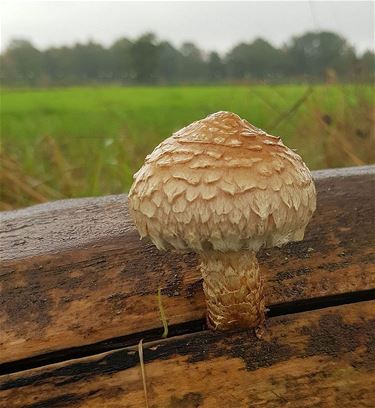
{"x":224,"y":188}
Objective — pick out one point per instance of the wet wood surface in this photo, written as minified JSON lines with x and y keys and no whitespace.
{"x":321,"y":358}
{"x":74,"y":272}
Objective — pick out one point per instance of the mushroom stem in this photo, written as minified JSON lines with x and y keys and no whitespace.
{"x":233,"y":288}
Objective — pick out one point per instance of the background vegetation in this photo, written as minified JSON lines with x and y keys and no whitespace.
{"x":78,"y":121}
{"x":76,"y":142}
{"x":314,"y":56}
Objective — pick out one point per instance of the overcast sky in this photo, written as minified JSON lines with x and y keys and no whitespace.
{"x":211,"y":25}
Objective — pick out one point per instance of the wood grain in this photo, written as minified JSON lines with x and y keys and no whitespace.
{"x":74,"y":272}
{"x":322,"y":358}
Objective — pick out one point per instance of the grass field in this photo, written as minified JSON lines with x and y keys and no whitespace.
{"x":75,"y":142}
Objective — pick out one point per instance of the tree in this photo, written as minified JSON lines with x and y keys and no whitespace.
{"x":89,"y":62}
{"x":367,"y":65}
{"x":169,"y":63}
{"x":266,"y":61}
{"x":238,"y":62}
{"x":193,"y":67}
{"x":58,"y":67}
{"x":120,"y":58}
{"x":144,"y":53}
{"x":312,"y":54}
{"x":258,"y":60}
{"x":22,"y":63}
{"x":215,"y":67}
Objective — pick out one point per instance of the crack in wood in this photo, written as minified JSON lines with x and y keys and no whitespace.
{"x":177,"y":330}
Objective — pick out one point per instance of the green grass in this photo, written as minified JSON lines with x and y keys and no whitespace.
{"x":74,"y":142}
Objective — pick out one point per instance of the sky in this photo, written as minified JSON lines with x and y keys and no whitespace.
{"x":211,"y":25}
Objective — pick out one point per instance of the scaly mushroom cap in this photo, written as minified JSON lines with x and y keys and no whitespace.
{"x":222,"y":184}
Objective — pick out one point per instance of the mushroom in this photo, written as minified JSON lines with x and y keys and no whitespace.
{"x":223,"y":188}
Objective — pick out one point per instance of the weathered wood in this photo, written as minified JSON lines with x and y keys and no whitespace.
{"x":74,"y":272}
{"x":322,"y":358}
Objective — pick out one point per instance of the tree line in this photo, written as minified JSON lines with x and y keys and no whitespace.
{"x":313,"y":56}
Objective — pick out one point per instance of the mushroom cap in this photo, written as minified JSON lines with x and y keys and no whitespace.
{"x":222,"y":184}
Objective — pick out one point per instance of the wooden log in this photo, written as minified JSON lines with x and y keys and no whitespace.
{"x":74,"y":272}
{"x":321,"y":358}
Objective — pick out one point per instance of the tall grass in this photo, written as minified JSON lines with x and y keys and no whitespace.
{"x":76,"y":142}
